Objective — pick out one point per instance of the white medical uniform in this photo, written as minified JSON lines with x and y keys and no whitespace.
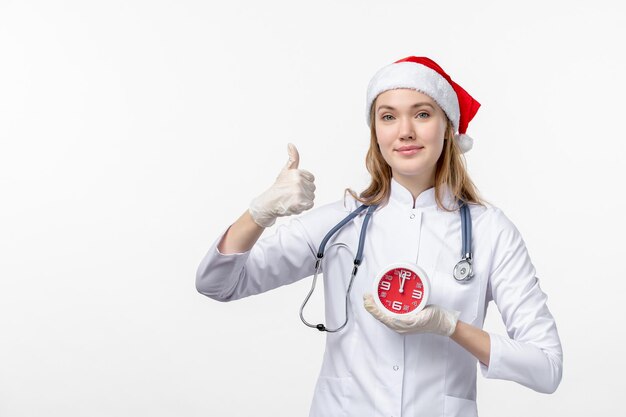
{"x":370,"y":370}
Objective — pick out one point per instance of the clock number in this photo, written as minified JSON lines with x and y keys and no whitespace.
{"x":396,"y":305}
{"x":417,"y":294}
{"x":385,"y":285}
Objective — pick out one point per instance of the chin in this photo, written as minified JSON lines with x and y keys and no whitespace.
{"x":408,"y":174}
{"x":414,"y":171}
{"x":411,"y":169}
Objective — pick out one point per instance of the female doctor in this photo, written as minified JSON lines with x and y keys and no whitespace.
{"x":423,"y":364}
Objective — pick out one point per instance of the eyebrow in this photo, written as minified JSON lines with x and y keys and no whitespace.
{"x":384,"y":106}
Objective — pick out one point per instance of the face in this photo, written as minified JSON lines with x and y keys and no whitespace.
{"x":410,"y":129}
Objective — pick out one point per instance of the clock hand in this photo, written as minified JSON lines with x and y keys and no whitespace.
{"x":402,"y":284}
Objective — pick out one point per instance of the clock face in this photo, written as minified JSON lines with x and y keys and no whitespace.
{"x":401,"y":289}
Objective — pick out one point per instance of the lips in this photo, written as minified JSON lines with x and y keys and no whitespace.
{"x":408,"y":148}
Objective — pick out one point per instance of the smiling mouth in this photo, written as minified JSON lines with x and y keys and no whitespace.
{"x":409,"y":151}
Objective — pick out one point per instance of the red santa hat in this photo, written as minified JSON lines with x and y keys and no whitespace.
{"x":426,"y":76}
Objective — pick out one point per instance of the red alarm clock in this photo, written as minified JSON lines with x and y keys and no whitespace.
{"x":401,"y":288}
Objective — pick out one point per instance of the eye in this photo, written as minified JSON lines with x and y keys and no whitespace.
{"x":384,"y":117}
{"x":420,"y":113}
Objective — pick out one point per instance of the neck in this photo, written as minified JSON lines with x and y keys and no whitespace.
{"x":415,"y":184}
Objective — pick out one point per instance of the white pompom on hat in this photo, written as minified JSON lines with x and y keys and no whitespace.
{"x":426,"y":76}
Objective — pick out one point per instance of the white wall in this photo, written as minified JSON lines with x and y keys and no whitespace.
{"x":133,"y":132}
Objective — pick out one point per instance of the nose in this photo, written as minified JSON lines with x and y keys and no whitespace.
{"x":407,"y":130}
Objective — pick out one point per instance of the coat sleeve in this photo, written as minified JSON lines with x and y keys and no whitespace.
{"x":273,"y":261}
{"x":531,"y":355}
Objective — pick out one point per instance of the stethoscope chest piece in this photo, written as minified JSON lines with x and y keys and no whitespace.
{"x":463,"y":271}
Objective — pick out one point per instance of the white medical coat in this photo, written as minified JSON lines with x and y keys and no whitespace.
{"x":369,"y":370}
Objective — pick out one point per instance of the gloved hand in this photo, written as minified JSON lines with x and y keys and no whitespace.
{"x":292,"y":193}
{"x":432,"y":319}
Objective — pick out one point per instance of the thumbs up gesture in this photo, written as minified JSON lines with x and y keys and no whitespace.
{"x":292,"y":193}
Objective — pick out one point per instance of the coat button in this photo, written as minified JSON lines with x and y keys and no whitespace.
{"x":412,"y":216}
{"x":396,"y":367}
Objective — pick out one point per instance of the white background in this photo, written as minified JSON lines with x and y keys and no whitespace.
{"x":133,"y":132}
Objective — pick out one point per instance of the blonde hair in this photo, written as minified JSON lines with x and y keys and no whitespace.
{"x":450,"y":171}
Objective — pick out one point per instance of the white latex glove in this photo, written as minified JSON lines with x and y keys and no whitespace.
{"x":292,"y":193}
{"x":432,"y":319}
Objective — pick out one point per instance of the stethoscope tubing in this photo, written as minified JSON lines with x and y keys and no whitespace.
{"x":466,"y":232}
{"x":357,"y":261}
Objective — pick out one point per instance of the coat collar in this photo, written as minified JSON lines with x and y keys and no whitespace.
{"x":403,"y":196}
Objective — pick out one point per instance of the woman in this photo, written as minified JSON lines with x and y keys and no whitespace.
{"x":423,"y":364}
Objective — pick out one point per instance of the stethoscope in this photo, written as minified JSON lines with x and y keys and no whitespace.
{"x":462,"y":272}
